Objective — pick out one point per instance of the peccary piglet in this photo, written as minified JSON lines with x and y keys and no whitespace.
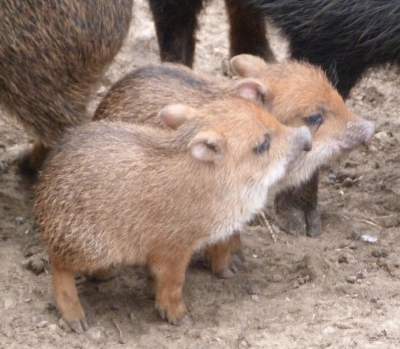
{"x":297,"y":94}
{"x":52,"y":53}
{"x":158,"y":194}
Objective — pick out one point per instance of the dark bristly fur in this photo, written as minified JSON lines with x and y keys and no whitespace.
{"x":52,"y":52}
{"x":176,"y":24}
{"x":352,"y":35}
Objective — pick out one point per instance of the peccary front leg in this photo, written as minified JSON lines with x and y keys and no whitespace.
{"x":176,"y":26}
{"x":66,"y":297}
{"x":296,"y":209}
{"x":225,"y":256}
{"x":247,"y":33}
{"x":169,"y":275}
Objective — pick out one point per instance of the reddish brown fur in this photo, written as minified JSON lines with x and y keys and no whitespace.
{"x":288,"y":83}
{"x":159,"y":194}
{"x":291,"y":91}
{"x":51,"y":55}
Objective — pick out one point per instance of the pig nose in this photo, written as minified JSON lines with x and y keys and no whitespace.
{"x":304,"y":138}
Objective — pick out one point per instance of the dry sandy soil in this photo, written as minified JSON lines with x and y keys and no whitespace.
{"x":332,"y":291}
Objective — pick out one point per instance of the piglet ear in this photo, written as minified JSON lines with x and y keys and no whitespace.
{"x":175,"y":115}
{"x":208,"y":146}
{"x":246,"y":65}
{"x":254,"y":90}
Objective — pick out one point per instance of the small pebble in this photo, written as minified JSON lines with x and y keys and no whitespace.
{"x":94,"y":333}
{"x":9,"y":303}
{"x":19,"y":220}
{"x":41,"y":324}
{"x":377,"y":252}
{"x":276,"y":278}
{"x":53,"y":327}
{"x":255,"y":298}
{"x":329,"y":330}
{"x":369,"y":238}
{"x":359,"y":274}
{"x":372,"y":148}
{"x":254,"y":289}
{"x":380,"y":135}
{"x":332,"y":176}
{"x":351,"y":279}
{"x":243,"y":345}
{"x":347,"y":182}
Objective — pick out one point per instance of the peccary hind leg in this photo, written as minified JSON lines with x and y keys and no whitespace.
{"x":176,"y":28}
{"x":66,"y":297}
{"x":247,"y":33}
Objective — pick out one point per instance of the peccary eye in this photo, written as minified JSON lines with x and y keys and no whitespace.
{"x":315,"y":119}
{"x":212,"y":147}
{"x":263,"y":146}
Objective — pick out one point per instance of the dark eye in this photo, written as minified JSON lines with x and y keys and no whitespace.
{"x":315,"y":119}
{"x":263,"y":146}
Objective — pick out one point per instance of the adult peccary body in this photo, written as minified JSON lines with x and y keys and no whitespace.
{"x":52,"y":52}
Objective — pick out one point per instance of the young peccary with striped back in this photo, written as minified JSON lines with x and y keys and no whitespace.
{"x":158,"y":194}
{"x":297,"y":94}
{"x":52,"y":52}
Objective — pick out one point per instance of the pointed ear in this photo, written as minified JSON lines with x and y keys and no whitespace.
{"x":175,"y":115}
{"x":246,"y":65}
{"x":208,"y":146}
{"x":254,"y":90}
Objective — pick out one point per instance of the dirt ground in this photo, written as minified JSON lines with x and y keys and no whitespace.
{"x":332,"y":291}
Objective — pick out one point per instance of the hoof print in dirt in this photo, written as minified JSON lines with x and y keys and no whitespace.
{"x":37,"y":263}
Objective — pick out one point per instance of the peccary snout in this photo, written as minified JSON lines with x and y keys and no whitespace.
{"x":358,"y":133}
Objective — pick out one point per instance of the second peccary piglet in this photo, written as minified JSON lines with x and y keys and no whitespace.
{"x":52,"y":52}
{"x":158,"y":194}
{"x":344,"y":37}
{"x":297,"y":94}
